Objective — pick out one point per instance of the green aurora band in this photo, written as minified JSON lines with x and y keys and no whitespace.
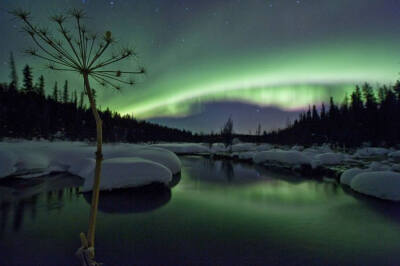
{"x":290,"y":56}
{"x":288,"y":79}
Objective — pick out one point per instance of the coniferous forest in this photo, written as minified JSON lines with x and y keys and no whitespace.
{"x":27,"y":112}
{"x":367,"y":115}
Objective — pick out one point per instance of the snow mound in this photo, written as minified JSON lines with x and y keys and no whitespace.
{"x":383,"y":184}
{"x":281,"y":156}
{"x":8,"y":160}
{"x":377,"y":166}
{"x":183,"y":148}
{"x":395,"y":156}
{"x":348,"y":175}
{"x":264,"y":147}
{"x":128,"y":172}
{"x":158,"y":155}
{"x":35,"y":158}
{"x":218,"y":147}
{"x":371,"y":152}
{"x":246,"y":155}
{"x":243,"y":147}
{"x":329,"y":158}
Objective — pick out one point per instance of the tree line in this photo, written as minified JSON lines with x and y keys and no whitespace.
{"x":27,"y":112}
{"x":366,"y":116}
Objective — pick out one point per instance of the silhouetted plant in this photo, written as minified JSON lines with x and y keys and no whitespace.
{"x":227,"y":132}
{"x":84,"y":53}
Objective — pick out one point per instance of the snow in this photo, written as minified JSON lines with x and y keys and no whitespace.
{"x":128,"y":172}
{"x":183,"y":148}
{"x":218,"y":147}
{"x":243,"y":147}
{"x":129,"y":161}
{"x":371,"y":152}
{"x":395,"y":156}
{"x":8,"y":160}
{"x":349,"y":174}
{"x":329,"y":158}
{"x":377,"y":166}
{"x":381,"y":184}
{"x":281,"y":156}
{"x":264,"y":147}
{"x":248,"y":155}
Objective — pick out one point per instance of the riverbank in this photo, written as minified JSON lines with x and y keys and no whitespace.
{"x":132,"y":165}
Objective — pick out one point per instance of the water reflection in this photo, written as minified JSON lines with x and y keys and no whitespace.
{"x":134,"y":200}
{"x":22,"y":197}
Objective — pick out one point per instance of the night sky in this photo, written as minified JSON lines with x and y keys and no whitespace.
{"x":258,"y":61}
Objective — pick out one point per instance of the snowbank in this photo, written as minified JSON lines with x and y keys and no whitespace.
{"x":382,"y":184}
{"x":8,"y":161}
{"x":218,"y":147}
{"x":34,"y":158}
{"x":370,"y":152}
{"x":128,"y":172}
{"x":286,"y":157}
{"x":349,"y":174}
{"x":246,"y":155}
{"x":243,"y":147}
{"x":183,"y":148}
{"x":395,"y":156}
{"x":329,"y":158}
{"x":264,"y":147}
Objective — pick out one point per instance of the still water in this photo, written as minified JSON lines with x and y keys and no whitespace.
{"x":218,"y":213}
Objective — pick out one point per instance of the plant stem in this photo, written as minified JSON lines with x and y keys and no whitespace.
{"x":99,"y":158}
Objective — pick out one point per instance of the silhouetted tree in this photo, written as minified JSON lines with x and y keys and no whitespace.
{"x":55,"y":92}
{"x":39,"y":88}
{"x":27,"y":81}
{"x":227,"y":132}
{"x":13,"y":74}
{"x":66,"y":93}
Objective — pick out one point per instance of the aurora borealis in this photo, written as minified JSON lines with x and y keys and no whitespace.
{"x":283,"y":54}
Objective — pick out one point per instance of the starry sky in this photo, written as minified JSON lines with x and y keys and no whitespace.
{"x":259,"y":61}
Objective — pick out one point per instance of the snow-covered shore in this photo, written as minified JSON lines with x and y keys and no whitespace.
{"x":124,"y":165}
{"x":130,"y":165}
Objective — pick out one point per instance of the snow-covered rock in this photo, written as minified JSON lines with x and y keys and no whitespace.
{"x":395,"y":156}
{"x":382,"y":184}
{"x":395,"y":167}
{"x":377,"y":166}
{"x":348,"y":175}
{"x":243,"y":147}
{"x":248,"y":155}
{"x":297,"y":148}
{"x":7,"y":162}
{"x":218,"y":147}
{"x":128,"y":172}
{"x":293,"y":158}
{"x":264,"y":147}
{"x":329,"y":158}
{"x":183,"y":148}
{"x":34,"y":158}
{"x":371,"y":152}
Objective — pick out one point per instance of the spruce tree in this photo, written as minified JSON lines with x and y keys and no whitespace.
{"x":40,"y":86}
{"x":13,"y":74}
{"x":27,"y":81}
{"x":55,"y":92}
{"x":66,"y":93}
